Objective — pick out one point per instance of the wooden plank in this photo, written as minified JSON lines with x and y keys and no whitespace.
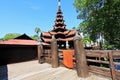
{"x":90,"y":54}
{"x":103,"y":52}
{"x":116,"y":54}
{"x":117,"y":74}
{"x":100,"y":71}
{"x":54,"y":53}
{"x":40,"y":54}
{"x":98,"y":51}
{"x":112,"y":66}
{"x":117,"y":63}
{"x":47,"y":51}
{"x":103,"y":71}
{"x":98,"y":61}
{"x":81,"y":62}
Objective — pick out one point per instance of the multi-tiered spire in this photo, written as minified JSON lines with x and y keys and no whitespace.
{"x":59,"y":31}
{"x":59,"y":22}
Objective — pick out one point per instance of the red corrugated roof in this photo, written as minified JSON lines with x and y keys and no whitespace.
{"x":19,"y":42}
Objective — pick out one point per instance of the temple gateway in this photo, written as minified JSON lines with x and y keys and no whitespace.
{"x":63,"y":36}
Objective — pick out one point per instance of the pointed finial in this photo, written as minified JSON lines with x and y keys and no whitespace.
{"x":58,"y":2}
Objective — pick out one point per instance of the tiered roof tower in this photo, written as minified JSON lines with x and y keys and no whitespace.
{"x":60,"y":32}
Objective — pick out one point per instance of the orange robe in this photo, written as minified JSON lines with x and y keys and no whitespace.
{"x":68,"y":58}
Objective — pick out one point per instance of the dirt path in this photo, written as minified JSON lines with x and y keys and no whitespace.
{"x":31,"y":70}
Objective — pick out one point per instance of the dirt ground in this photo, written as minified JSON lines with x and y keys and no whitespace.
{"x":32,"y":70}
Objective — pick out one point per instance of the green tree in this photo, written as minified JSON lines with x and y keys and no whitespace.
{"x":74,"y":28}
{"x":35,"y":37}
{"x":11,"y":36}
{"x":1,"y":39}
{"x":86,"y":39}
{"x":38,"y":31}
{"x":101,"y":17}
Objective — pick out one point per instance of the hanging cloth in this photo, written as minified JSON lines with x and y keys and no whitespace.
{"x":68,"y":58}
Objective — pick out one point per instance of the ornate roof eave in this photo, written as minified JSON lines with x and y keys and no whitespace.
{"x":71,"y":33}
{"x":57,"y":29}
{"x":45,"y":44}
{"x":59,"y":39}
{"x":67,"y":33}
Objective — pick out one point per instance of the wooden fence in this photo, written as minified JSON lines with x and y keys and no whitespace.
{"x":100,"y":62}
{"x":105,"y":59}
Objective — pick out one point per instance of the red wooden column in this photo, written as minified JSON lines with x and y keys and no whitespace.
{"x":54,"y":53}
{"x":40,"y":53}
{"x":81,"y":62}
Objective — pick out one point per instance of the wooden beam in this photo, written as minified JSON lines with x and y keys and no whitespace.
{"x":81,"y":62}
{"x":112,"y":68}
{"x":116,"y":54}
{"x":100,"y":70}
{"x":98,"y":61}
{"x":103,"y":71}
{"x":40,"y":53}
{"x":54,"y":53}
{"x":90,"y":54}
{"x":97,"y":51}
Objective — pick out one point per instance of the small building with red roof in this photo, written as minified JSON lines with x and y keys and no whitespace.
{"x":21,"y":48}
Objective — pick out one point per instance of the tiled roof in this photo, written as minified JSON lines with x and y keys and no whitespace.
{"x":66,"y":39}
{"x":45,"y":44}
{"x":46,"y":34}
{"x":72,"y":32}
{"x":19,"y":42}
{"x":67,"y":33}
{"x":46,"y":39}
{"x":59,"y":39}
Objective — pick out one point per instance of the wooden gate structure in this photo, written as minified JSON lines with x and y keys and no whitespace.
{"x":94,"y":61}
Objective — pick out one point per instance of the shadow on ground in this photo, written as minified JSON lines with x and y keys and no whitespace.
{"x":3,"y":72}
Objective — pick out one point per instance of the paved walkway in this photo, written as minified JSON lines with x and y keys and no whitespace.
{"x":31,"y":70}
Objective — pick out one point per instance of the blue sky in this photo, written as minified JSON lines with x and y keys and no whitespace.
{"x":22,"y":16}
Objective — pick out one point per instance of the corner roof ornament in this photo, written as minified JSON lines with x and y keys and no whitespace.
{"x":77,"y":36}
{"x":53,"y":38}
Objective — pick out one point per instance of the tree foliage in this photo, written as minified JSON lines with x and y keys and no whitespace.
{"x":34,"y":37}
{"x":11,"y":36}
{"x":1,"y":39}
{"x":101,"y":17}
{"x":38,"y":31}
